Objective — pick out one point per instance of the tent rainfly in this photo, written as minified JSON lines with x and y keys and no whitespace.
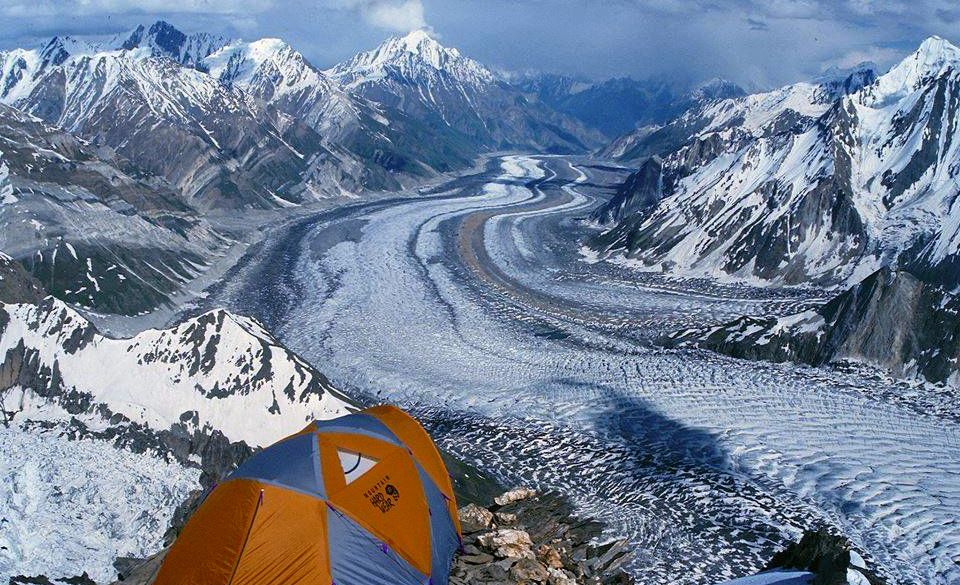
{"x":364,"y":499}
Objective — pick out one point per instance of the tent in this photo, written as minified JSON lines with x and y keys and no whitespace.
{"x":364,"y":499}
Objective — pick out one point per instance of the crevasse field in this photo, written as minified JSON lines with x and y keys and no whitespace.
{"x":474,"y":307}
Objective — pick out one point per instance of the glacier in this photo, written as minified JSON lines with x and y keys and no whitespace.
{"x":468,"y":307}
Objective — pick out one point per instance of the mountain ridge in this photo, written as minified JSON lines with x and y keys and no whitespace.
{"x":813,"y":183}
{"x":126,"y":432}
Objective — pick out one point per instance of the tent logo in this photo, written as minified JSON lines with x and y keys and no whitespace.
{"x":392,"y":491}
{"x":383,"y":495}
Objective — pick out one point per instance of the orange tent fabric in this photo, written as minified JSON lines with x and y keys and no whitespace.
{"x":360,"y":500}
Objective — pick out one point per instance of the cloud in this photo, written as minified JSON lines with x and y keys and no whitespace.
{"x":402,"y":17}
{"x":51,"y":8}
{"x":393,"y":15}
{"x":880,"y":55}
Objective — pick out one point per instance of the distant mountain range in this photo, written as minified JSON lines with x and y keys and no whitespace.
{"x":123,"y":155}
{"x":255,"y":124}
{"x":623,"y":105}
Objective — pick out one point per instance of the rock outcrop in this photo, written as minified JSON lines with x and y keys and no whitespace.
{"x":641,"y":190}
{"x":829,"y":557}
{"x":16,"y":285}
{"x":890,"y":320}
{"x":527,"y":538}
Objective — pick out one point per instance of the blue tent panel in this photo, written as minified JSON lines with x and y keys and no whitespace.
{"x":775,"y":578}
{"x":293,"y":463}
{"x":444,"y":541}
{"x":358,"y":424}
{"x":357,"y":558}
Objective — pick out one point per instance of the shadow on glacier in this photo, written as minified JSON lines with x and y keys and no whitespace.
{"x":617,"y":434}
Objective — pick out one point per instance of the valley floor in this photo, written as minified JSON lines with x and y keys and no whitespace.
{"x":473,"y":307}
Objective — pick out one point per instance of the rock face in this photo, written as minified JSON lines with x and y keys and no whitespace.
{"x":474,"y":518}
{"x":93,"y":228}
{"x":756,"y":187}
{"x":890,"y":319}
{"x":529,"y":538}
{"x":642,"y":190}
{"x":16,"y":286}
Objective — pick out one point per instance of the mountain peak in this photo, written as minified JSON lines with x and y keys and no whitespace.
{"x":933,"y":57}
{"x":415,"y":54}
{"x":56,"y":51}
{"x":836,"y":73}
{"x":418,"y":43}
{"x":162,"y":38}
{"x":717,"y":88}
{"x":935,"y":51}
{"x":417,"y":37}
{"x":267,"y":63}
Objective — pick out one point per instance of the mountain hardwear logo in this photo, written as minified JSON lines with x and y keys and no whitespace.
{"x":383,"y":495}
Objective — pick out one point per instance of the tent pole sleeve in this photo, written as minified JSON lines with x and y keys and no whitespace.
{"x":246,"y":538}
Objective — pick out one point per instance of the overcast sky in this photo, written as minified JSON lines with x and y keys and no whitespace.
{"x":753,"y":42}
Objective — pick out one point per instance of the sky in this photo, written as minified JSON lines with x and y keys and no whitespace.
{"x":756,"y":43}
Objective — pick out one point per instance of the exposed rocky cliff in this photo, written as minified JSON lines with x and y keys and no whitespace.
{"x":891,"y":320}
{"x":640,"y":191}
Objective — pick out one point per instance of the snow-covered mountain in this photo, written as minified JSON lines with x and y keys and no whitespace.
{"x":120,"y":431}
{"x":445,"y":89}
{"x":163,"y":39}
{"x":815,"y":182}
{"x":235,"y":124}
{"x":217,"y":145}
{"x":275,"y":72}
{"x":231,"y":124}
{"x":717,"y":104}
{"x":382,"y":141}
